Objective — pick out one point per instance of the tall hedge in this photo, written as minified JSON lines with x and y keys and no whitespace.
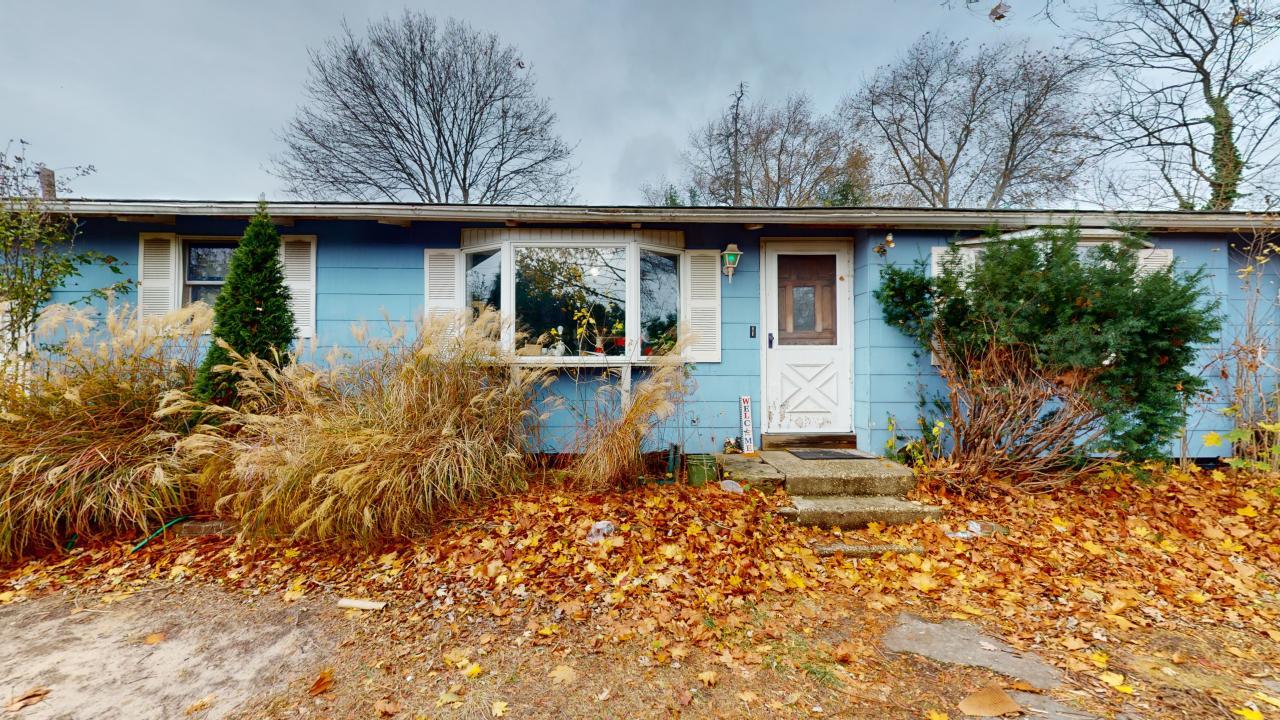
{"x":251,"y":314}
{"x":1074,"y":313}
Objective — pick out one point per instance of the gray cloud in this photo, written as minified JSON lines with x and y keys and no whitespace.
{"x":184,"y":99}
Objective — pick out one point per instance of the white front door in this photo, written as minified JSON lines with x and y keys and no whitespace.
{"x":808,"y":366}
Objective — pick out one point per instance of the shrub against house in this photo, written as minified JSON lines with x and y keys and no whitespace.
{"x":1054,"y":355}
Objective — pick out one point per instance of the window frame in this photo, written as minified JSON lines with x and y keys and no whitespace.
{"x":632,"y":353}
{"x":186,"y":242}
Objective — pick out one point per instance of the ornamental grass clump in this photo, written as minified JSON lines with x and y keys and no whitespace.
{"x":375,"y":448}
{"x":82,"y":449}
{"x":608,"y":451}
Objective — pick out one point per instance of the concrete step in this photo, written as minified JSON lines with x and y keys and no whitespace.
{"x":856,"y":512}
{"x":869,"y":476}
{"x":782,"y":441}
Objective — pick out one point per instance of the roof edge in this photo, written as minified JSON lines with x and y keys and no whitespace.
{"x":866,"y":217}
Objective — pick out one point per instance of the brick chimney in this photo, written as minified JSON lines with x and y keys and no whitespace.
{"x":48,"y":184}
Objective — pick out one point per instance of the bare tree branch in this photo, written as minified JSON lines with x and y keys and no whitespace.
{"x":771,"y":155}
{"x":996,"y":127}
{"x":423,"y":111}
{"x":1190,"y":104}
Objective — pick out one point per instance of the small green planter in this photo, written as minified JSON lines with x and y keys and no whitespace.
{"x":702,"y":469}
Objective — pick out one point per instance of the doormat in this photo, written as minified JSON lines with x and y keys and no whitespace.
{"x":829,"y":455}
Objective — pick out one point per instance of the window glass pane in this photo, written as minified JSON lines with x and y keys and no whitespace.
{"x":803,"y":315}
{"x":659,"y":302}
{"x":484,"y":280}
{"x":203,"y":293}
{"x":571,"y":300}
{"x":208,"y":262}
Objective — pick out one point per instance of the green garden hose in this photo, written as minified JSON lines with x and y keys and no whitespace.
{"x":152,"y":536}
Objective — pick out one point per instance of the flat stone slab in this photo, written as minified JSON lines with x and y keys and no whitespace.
{"x":1043,"y":706}
{"x":864,"y":550}
{"x":870,"y":476}
{"x":962,"y":643}
{"x":749,"y":469}
{"x":856,"y":512}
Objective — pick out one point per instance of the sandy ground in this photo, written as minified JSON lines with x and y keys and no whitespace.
{"x":198,"y":653}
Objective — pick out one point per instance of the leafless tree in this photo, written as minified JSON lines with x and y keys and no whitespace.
{"x":760,"y":154}
{"x":426,"y":111}
{"x":993,"y":127}
{"x":1193,"y":100}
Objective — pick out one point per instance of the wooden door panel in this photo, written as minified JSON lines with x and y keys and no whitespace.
{"x":807,"y":300}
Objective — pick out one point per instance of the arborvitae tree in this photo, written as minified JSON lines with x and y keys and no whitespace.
{"x":251,"y":314}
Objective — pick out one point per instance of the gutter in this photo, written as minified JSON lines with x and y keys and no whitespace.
{"x":887,"y":218}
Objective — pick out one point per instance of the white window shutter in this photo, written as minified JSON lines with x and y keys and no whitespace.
{"x":702,"y":298}
{"x":1151,"y":260}
{"x":938,"y":254}
{"x":298,"y":257}
{"x":444,"y":274}
{"x":159,"y":274}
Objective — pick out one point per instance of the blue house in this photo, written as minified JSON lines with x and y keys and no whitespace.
{"x":789,"y":336}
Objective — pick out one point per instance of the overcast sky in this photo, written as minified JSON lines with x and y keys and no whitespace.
{"x":176,"y":99}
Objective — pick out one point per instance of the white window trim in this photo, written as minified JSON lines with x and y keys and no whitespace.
{"x":507,"y":241}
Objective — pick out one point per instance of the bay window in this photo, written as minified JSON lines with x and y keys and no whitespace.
{"x":588,"y":297}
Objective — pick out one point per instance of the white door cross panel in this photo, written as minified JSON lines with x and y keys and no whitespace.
{"x":807,"y":357}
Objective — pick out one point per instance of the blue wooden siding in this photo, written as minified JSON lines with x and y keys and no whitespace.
{"x":367,"y":272}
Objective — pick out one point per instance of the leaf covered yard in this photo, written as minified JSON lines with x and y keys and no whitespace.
{"x":1156,"y":597}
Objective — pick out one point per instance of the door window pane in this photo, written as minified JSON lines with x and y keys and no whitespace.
{"x":803,"y":314}
{"x":571,"y":300}
{"x":484,"y":280}
{"x":659,"y":302}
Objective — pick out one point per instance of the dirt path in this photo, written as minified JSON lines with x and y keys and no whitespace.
{"x":153,"y":655}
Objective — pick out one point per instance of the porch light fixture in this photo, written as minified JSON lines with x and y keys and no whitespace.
{"x":729,"y":259}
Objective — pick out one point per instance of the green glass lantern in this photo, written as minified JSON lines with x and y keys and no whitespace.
{"x":729,"y":259}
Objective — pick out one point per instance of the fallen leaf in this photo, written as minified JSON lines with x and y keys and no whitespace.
{"x":748,"y":697}
{"x":709,"y":678}
{"x":922,"y":582}
{"x":386,"y":708}
{"x":604,"y":695}
{"x":449,"y":697}
{"x":498,"y":708}
{"x":27,"y":699}
{"x":991,"y":701}
{"x":1248,"y":713}
{"x":154,"y":639}
{"x":200,"y":705}
{"x":563,"y":675}
{"x":1115,"y":681}
{"x":936,"y":715}
{"x":323,"y":683}
{"x":473,"y":671}
{"x":296,"y":590}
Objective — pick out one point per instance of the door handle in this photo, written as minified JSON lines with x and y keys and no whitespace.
{"x":770,"y":341}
